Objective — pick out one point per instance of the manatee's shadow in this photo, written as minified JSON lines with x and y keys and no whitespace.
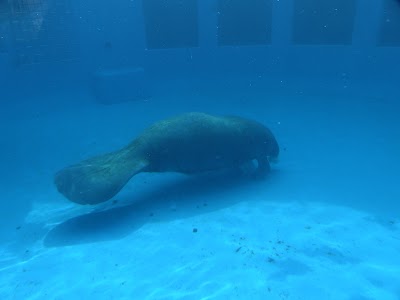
{"x":184,"y":197}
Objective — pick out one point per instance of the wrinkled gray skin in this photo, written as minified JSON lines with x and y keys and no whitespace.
{"x":189,"y":143}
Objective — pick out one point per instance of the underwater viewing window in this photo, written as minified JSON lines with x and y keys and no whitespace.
{"x":243,"y":23}
{"x":390,"y":24}
{"x":4,"y":27}
{"x":3,"y":46}
{"x":41,"y":31}
{"x":171,"y":23}
{"x":322,"y":22}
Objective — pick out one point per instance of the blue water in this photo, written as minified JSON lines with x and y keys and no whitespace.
{"x":81,"y":78}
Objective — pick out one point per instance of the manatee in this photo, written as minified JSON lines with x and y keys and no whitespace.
{"x":189,"y":143}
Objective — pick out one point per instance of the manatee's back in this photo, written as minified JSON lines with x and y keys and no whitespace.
{"x":196,"y":142}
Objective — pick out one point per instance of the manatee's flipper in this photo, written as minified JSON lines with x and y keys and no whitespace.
{"x":248,"y":167}
{"x":257,"y":168}
{"x":97,"y":179}
{"x":263,"y":167}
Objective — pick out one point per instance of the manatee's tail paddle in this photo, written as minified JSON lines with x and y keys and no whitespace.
{"x":97,"y":179}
